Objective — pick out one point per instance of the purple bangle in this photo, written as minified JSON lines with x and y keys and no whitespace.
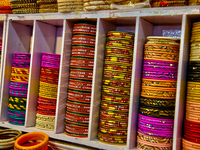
{"x":21,"y":56}
{"x":155,"y":120}
{"x":155,"y":123}
{"x":20,"y":64}
{"x":18,"y":93}
{"x":161,"y":73}
{"x":155,"y":127}
{"x":18,"y":85}
{"x":159,"y":67}
{"x":159,"y":70}
{"x":163,"y":63}
{"x":159,"y":77}
{"x":49,"y":64}
{"x":161,"y":134}
{"x":50,"y":56}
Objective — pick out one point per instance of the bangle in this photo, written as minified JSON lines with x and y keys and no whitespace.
{"x":160,"y":76}
{"x":49,"y":79}
{"x":50,"y":64}
{"x":161,"y":56}
{"x":85,"y":31}
{"x":49,"y":125}
{"x":159,"y":83}
{"x":117,"y":59}
{"x":82,"y":63}
{"x":113,"y":131}
{"x":50,"y":95}
{"x":117,"y":75}
{"x":119,"y":51}
{"x":48,"y":89}
{"x":79,"y":96}
{"x":113,"y":123}
{"x":15,"y":120}
{"x":76,"y":117}
{"x":188,"y":144}
{"x":46,"y":111}
{"x":16,"y":113}
{"x":161,"y":48}
{"x":157,"y":102}
{"x":18,"y":93}
{"x":114,"y":107}
{"x":8,"y":137}
{"x":156,"y":134}
{"x":121,"y":43}
{"x":20,"y":71}
{"x":127,"y":35}
{"x":18,"y":99}
{"x":155,"y":112}
{"x":18,"y":85}
{"x":50,"y":56}
{"x":22,"y":56}
{"x":80,"y":85}
{"x":19,"y":78}
{"x":20,"y":64}
{"x":49,"y":71}
{"x":82,"y":51}
{"x":111,"y":139}
{"x":112,"y":114}
{"x":162,"y":94}
{"x":44,"y":84}
{"x":84,"y":26}
{"x":157,"y":64}
{"x":141,"y":145}
{"x":117,"y":67}
{"x":81,"y":74}
{"x":17,"y":106}
{"x":115,"y":90}
{"x":29,"y":137}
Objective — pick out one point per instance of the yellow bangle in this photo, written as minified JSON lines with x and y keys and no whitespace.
{"x":30,"y":137}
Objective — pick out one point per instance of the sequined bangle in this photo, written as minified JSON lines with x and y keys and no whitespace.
{"x":17,"y":106}
{"x":117,"y":67}
{"x":19,"y":78}
{"x":16,"y":113}
{"x":18,"y":99}
{"x":117,"y":75}
{"x":22,"y":56}
{"x":115,"y":90}
{"x":20,"y":64}
{"x":157,"y":102}
{"x":81,"y":74}
{"x":20,"y":70}
{"x":158,"y":94}
{"x":49,"y":79}
{"x":82,"y":63}
{"x":115,"y":107}
{"x":82,"y":51}
{"x":18,"y":85}
{"x":156,"y":140}
{"x":16,"y":121}
{"x":161,"y":56}
{"x":50,"y":56}
{"x":113,"y":115}
{"x":155,"y":63}
{"x":112,"y":139}
{"x":161,"y":48}
{"x":79,"y":96}
{"x":155,"y":112}
{"x":159,"y":83}
{"x":49,"y":71}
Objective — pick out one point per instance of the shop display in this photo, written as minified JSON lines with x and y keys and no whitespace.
{"x":191,"y":123}
{"x":116,"y":85}
{"x":18,"y":88}
{"x":157,"y":101}
{"x":48,"y":6}
{"x":5,"y":7}
{"x":48,"y":86}
{"x":24,"y":6}
{"x":80,"y":80}
{"x":39,"y":141}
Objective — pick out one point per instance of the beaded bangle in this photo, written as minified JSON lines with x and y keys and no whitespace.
{"x":157,"y":102}
{"x":161,"y":48}
{"x":19,"y":78}
{"x":17,"y":106}
{"x":158,"y":113}
{"x":18,"y":99}
{"x":48,"y":125}
{"x":50,"y":64}
{"x":20,"y":70}
{"x":161,"y":56}
{"x":18,"y":93}
{"x":49,"y":71}
{"x":155,"y":140}
{"x":16,"y":113}
{"x":16,"y":121}
{"x":18,"y":85}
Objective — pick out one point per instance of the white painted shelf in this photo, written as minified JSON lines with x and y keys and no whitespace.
{"x":36,"y":33}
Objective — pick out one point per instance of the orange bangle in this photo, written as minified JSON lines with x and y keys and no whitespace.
{"x":29,"y":137}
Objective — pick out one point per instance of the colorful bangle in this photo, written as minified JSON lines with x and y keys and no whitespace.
{"x":22,"y":56}
{"x":19,"y":78}
{"x":48,"y":85}
{"x":29,"y":137}
{"x":161,"y":48}
{"x":50,"y":95}
{"x":16,"y":113}
{"x":18,"y":99}
{"x":154,"y":63}
{"x":50,"y":64}
{"x":18,"y":85}
{"x":121,"y":43}
{"x":53,"y":90}
{"x":49,"y":79}
{"x":115,"y":90}
{"x":158,"y":94}
{"x":161,"y":56}
{"x":18,"y":93}
{"x":114,"y":107}
{"x":117,"y":75}
{"x":20,"y":70}
{"x":49,"y":71}
{"x":50,"y":56}
{"x":16,"y":121}
{"x":84,"y":26}
{"x":17,"y":106}
{"x":117,"y":67}
{"x":156,"y":134}
{"x":159,"y":83}
{"x":119,"y":59}
{"x":80,"y":85}
{"x":111,"y":139}
{"x":124,"y":34}
{"x":160,"y":77}
{"x":76,"y":96}
{"x":47,"y":125}
{"x":117,"y":51}
{"x":20,"y":64}
{"x":144,"y":146}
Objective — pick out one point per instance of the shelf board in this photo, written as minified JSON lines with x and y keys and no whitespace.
{"x":64,"y":137}
{"x":162,"y":11}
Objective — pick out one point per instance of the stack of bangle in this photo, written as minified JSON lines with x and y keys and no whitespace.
{"x":5,"y":7}
{"x":116,"y":87}
{"x":46,"y":108}
{"x":191,"y":136}
{"x":80,"y":81}
{"x":24,"y":6}
{"x":65,"y":6}
{"x":8,"y":137}
{"x":18,"y":88}
{"x":157,"y":101}
{"x":32,"y":141}
{"x":48,"y":6}
{"x":168,"y":3}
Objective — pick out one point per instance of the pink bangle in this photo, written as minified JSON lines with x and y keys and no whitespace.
{"x":163,"y":134}
{"x":156,"y":120}
{"x":50,"y":64}
{"x":50,"y":56}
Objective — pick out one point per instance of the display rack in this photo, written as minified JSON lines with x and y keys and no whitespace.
{"x":36,"y":33}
